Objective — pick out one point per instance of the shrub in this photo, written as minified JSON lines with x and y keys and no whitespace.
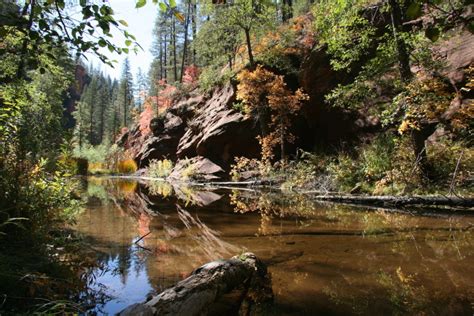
{"x":212,"y":77}
{"x":246,"y":168}
{"x":448,"y":157}
{"x":346,"y":172}
{"x":189,"y":171}
{"x":159,"y":168}
{"x":145,"y":117}
{"x":127,"y":166}
{"x":377,"y":158}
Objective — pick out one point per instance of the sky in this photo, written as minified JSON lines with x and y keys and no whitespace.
{"x":140,"y":24}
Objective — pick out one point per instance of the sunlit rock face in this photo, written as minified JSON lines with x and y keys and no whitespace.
{"x":218,"y":132}
{"x":197,"y":126}
{"x":162,"y":145}
{"x":459,"y":54}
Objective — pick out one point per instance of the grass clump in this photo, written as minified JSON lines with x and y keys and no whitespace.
{"x":159,"y":168}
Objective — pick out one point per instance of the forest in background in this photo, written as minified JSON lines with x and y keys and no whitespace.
{"x":385,"y":71}
{"x":287,"y":72}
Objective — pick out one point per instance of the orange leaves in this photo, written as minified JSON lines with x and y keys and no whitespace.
{"x":145,"y":118}
{"x":164,"y":99}
{"x":262,"y":90}
{"x":191,"y":75}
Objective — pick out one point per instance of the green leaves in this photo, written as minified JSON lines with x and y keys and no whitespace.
{"x":123,"y":22}
{"x":432,"y":33}
{"x":140,"y":3}
{"x":163,"y":7}
{"x":414,"y":11}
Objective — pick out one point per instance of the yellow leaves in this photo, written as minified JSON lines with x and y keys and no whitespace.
{"x":406,"y":279}
{"x":262,"y":90}
{"x":127,"y":166}
{"x":426,"y":101}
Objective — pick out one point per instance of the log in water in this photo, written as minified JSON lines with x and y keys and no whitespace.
{"x":240,"y":284}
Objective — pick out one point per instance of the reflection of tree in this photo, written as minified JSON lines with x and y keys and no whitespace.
{"x":160,"y":188}
{"x":405,"y":294}
{"x":271,"y":205}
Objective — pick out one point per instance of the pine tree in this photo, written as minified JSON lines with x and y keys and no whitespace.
{"x":126,"y":93}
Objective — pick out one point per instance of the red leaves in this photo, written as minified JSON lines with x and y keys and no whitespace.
{"x":191,"y":75}
{"x":145,"y":118}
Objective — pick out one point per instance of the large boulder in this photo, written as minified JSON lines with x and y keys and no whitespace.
{"x":459,"y":55}
{"x":218,"y":132}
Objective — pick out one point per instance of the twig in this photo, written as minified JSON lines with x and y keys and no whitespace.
{"x":62,"y":21}
{"x":139,"y":239}
{"x":451,"y":187}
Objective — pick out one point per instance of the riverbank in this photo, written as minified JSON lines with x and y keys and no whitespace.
{"x":415,"y":203}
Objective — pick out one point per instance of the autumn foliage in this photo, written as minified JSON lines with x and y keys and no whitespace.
{"x":145,"y":118}
{"x":262,"y":92}
{"x":191,"y":76}
{"x":165,"y":96}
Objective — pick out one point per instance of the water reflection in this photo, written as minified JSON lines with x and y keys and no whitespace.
{"x":323,"y":259}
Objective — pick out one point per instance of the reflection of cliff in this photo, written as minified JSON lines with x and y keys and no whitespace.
{"x":172,"y":240}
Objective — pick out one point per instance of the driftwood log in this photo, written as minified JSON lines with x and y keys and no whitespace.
{"x":397,"y":202}
{"x":240,"y":285}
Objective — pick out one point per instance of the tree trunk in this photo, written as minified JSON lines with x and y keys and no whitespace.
{"x":397,"y":201}
{"x":194,"y":27}
{"x":161,"y":58}
{"x":21,"y":65}
{"x":91,"y":124}
{"x":102,"y":121}
{"x":175,"y":62}
{"x":114,"y":124}
{"x":125,"y":105}
{"x":249,"y":47}
{"x":287,"y":10}
{"x":165,"y":58}
{"x":403,"y":56}
{"x":186,"y":26}
{"x":282,"y":144}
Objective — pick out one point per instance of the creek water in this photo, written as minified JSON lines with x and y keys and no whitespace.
{"x":323,"y":259}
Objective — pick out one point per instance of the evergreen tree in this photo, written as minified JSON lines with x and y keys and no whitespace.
{"x":125,"y":96}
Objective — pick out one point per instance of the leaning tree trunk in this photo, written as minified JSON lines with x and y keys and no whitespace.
{"x":186,"y":26}
{"x":249,"y":47}
{"x":241,"y":284}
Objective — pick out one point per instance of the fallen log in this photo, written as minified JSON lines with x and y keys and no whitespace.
{"x":240,"y":285}
{"x":397,"y":201}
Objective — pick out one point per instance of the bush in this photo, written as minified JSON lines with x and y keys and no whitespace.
{"x":346,"y":171}
{"x":159,"y":168}
{"x":127,"y":166}
{"x":93,"y":154}
{"x":377,"y":158}
{"x":213,"y":77}
{"x":444,"y":156}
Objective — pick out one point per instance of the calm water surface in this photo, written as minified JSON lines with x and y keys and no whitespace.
{"x":324,"y":260}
